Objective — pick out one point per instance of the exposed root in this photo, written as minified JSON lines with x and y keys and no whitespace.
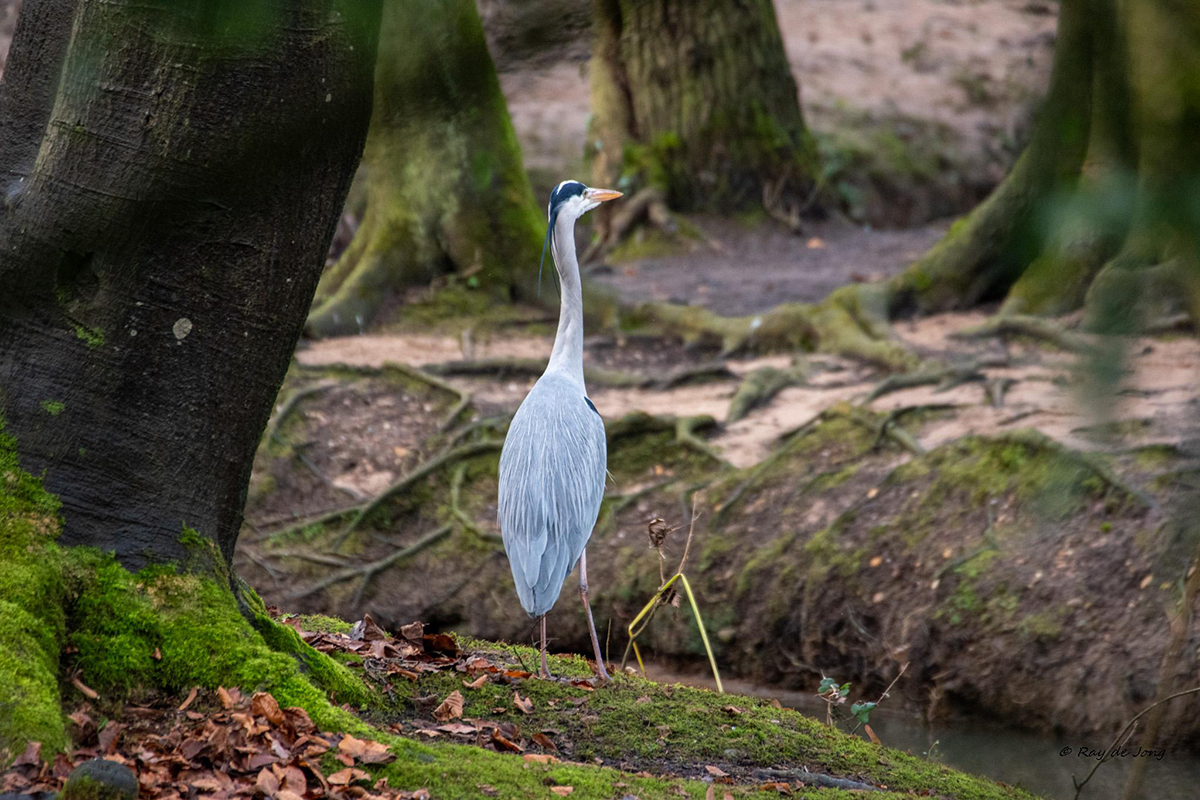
{"x":685,"y":434}
{"x":462,"y":516}
{"x":421,"y":471}
{"x":816,"y":779}
{"x":947,"y":377}
{"x":290,"y":405}
{"x":760,"y":387}
{"x":1035,"y":327}
{"x":1034,"y":438}
{"x":368,"y":571}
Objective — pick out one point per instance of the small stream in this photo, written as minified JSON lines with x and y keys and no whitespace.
{"x":1029,"y":760}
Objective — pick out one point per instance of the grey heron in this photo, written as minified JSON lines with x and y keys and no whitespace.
{"x":555,"y":455}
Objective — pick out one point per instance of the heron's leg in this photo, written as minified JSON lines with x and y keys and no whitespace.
{"x":587,"y":607}
{"x":545,"y":673}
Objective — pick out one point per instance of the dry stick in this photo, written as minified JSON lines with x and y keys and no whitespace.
{"x":324,"y":559}
{"x":1116,"y":742}
{"x":422,"y":471}
{"x":368,"y":571}
{"x":899,"y":675}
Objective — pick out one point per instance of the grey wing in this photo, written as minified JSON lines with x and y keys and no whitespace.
{"x":552,"y":473}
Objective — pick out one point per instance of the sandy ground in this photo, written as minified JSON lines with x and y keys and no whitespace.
{"x":1158,"y":400}
{"x":973,"y":67}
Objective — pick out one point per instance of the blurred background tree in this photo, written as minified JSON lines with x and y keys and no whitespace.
{"x":443,"y":194}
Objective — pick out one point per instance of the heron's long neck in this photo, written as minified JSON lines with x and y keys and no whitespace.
{"x":567,"y":355}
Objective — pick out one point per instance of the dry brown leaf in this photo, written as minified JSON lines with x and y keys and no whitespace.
{"x":345,"y":777}
{"x":377,"y":753}
{"x":523,"y":703}
{"x":266,"y":783}
{"x":450,"y":708}
{"x":225,"y":697}
{"x":710,"y":793}
{"x":191,"y":697}
{"x":458,"y":728}
{"x":351,"y":746}
{"x":31,"y":756}
{"x":501,"y":742}
{"x":542,"y":740}
{"x":871,"y":734}
{"x":517,"y":673}
{"x":778,"y":786}
{"x":475,"y":684}
{"x":264,"y":705}
{"x":288,"y":794}
{"x":732,"y":710}
{"x":157,"y":654}
{"x":716,"y":772}
{"x":413,"y":631}
{"x":292,"y":780}
{"x":540,"y":758}
{"x":562,"y":791}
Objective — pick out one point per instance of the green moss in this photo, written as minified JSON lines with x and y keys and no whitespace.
{"x":53,"y":407}
{"x":32,"y":624}
{"x":92,"y":337}
{"x":324,"y":624}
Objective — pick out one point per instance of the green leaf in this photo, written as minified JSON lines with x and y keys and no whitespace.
{"x":862,"y":711}
{"x":826,"y":685}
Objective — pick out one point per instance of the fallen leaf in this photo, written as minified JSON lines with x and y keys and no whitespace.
{"x":499,"y":739}
{"x":777,"y":786}
{"x":32,"y":755}
{"x":517,"y":673}
{"x":475,"y":684}
{"x":562,"y":791}
{"x":773,"y":703}
{"x":876,"y":561}
{"x":352,"y":746}
{"x":716,"y":772}
{"x":580,"y":683}
{"x":540,"y":758}
{"x":458,"y":728}
{"x":871,"y":734}
{"x":523,"y":703}
{"x":225,"y":697}
{"x":732,"y":710}
{"x":191,"y":696}
{"x":710,"y":793}
{"x":109,"y":736}
{"x":266,"y":783}
{"x":441,"y":642}
{"x":413,"y":631}
{"x":450,"y":708}
{"x":287,"y":794}
{"x":542,"y":740}
{"x":345,"y":777}
{"x":264,"y":705}
{"x":1146,"y":581}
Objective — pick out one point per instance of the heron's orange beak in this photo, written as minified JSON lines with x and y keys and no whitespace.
{"x":603,"y":195}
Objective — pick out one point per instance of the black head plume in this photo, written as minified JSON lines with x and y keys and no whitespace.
{"x":561,"y":194}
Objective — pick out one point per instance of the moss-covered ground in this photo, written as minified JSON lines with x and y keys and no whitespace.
{"x":75,"y":621}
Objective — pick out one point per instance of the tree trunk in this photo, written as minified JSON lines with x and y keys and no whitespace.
{"x":696,"y":97}
{"x":1092,"y":213}
{"x":447,"y":191}
{"x":171,"y":175}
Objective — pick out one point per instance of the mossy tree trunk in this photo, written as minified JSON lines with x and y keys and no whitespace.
{"x":1094,"y":212}
{"x":446,"y":189}
{"x":171,"y":175}
{"x":696,"y":97}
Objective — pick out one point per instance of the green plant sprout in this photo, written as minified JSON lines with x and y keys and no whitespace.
{"x":666,"y":594}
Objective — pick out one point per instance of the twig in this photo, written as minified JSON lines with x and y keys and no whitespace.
{"x":368,"y":571}
{"x":324,"y":559}
{"x":250,"y":554}
{"x":421,"y":471}
{"x":883,"y":696}
{"x":1079,"y":785}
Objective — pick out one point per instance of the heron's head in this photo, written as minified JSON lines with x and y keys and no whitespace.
{"x":569,"y":201}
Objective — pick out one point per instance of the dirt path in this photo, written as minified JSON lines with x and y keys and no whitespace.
{"x":1157,"y":403}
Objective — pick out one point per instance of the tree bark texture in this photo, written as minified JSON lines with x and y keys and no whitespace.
{"x":1093,"y":212}
{"x":447,"y":191}
{"x":171,"y":174}
{"x":696,"y":97}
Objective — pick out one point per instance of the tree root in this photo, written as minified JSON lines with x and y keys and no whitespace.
{"x":649,"y":203}
{"x":462,"y":397}
{"x":947,"y":376}
{"x":462,"y":516}
{"x":421,"y":471}
{"x":852,"y":322}
{"x":1034,"y":327}
{"x":595,"y":376}
{"x":817,"y":779}
{"x":290,"y":405}
{"x":370,"y":570}
{"x":685,"y":434}
{"x":1034,"y":438}
{"x":760,"y":387}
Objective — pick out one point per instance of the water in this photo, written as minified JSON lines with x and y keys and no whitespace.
{"x":1032,"y":761}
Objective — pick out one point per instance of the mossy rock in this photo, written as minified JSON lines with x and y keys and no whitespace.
{"x":100,"y":779}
